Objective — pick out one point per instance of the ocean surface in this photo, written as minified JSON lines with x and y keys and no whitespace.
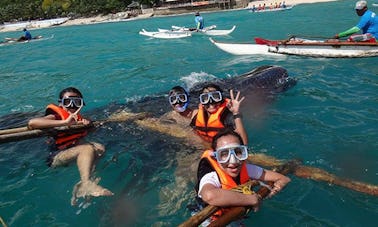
{"x":329,"y":120}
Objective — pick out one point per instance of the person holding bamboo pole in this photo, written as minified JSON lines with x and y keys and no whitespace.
{"x":71,"y":146}
{"x":225,"y":167}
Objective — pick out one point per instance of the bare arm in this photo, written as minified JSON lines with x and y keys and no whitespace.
{"x":234,"y":106}
{"x":221,"y":197}
{"x":279,"y":180}
{"x":50,"y":121}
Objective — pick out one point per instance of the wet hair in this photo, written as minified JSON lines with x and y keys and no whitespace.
{"x":209,"y":85}
{"x":177,"y":89}
{"x":197,"y":13}
{"x":24,"y":30}
{"x":225,"y":132}
{"x":70,"y":89}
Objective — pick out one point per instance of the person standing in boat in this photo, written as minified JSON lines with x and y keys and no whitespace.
{"x":200,"y":23}
{"x":368,"y":24}
{"x":224,"y":168}
{"x":68,"y":147}
{"x":27,"y":35}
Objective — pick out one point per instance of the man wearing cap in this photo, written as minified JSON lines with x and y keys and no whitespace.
{"x":368,"y":24}
{"x":199,"y":21}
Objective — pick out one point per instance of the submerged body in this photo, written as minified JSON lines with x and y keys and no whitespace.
{"x":69,"y":147}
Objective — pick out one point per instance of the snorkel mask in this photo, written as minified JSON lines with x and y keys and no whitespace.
{"x":179,"y":99}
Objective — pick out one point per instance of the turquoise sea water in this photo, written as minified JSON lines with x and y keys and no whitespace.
{"x":329,"y":119}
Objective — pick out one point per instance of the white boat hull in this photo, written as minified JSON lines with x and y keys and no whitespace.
{"x":210,"y":31}
{"x":308,"y":48}
{"x":243,"y":48}
{"x":165,"y":34}
{"x":10,"y":41}
{"x":215,"y":32}
{"x":327,"y":51}
{"x":269,"y":10}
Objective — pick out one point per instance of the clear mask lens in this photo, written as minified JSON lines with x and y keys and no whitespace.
{"x":174,"y":99}
{"x":216,"y":96}
{"x":223,"y":154}
{"x":72,"y":102}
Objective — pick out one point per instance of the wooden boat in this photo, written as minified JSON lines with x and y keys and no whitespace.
{"x":267,"y":9}
{"x":332,"y":48}
{"x":183,"y":28}
{"x":211,"y":31}
{"x":302,"y":47}
{"x":167,"y":34}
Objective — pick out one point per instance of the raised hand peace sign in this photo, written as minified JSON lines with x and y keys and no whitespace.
{"x":234,"y":103}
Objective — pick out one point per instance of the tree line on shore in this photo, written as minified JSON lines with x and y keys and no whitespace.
{"x":23,"y":10}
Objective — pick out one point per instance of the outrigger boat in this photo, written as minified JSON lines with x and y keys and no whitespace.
{"x":9,"y":41}
{"x":180,"y":28}
{"x":167,"y":34}
{"x":268,"y":9}
{"x":181,"y":32}
{"x":211,"y":31}
{"x":302,"y":47}
{"x":242,"y":48}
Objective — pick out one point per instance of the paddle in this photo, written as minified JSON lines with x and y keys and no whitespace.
{"x":235,"y":212}
{"x":21,"y":133}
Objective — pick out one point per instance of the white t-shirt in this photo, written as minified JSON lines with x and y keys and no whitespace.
{"x":254,"y":172}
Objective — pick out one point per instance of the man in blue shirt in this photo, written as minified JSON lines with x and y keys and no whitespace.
{"x":368,"y":24}
{"x":26,"y":36}
{"x":199,"y":21}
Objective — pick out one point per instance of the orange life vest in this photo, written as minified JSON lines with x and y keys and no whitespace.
{"x":208,"y":129}
{"x":65,"y":139}
{"x":226,"y":180}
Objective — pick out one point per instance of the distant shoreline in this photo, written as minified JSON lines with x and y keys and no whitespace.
{"x":124,"y":16}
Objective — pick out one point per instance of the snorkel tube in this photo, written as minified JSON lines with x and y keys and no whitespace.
{"x":181,"y":109}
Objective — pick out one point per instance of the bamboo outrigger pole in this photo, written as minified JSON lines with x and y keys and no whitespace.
{"x":316,"y":174}
{"x":34,"y":133}
{"x":22,"y":133}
